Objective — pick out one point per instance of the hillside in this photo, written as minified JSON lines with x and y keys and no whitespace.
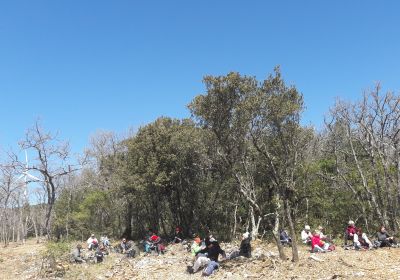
{"x":24,"y":262}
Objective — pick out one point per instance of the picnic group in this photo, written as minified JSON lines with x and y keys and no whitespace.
{"x":207,"y":252}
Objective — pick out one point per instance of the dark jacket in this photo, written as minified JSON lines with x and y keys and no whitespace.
{"x":382,"y":236}
{"x":178,"y":237}
{"x":213,"y":252}
{"x":245,"y":248}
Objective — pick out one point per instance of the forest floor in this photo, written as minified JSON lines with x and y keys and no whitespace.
{"x":25,"y":262}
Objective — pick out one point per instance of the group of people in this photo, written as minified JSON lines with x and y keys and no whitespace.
{"x":358,"y":239}
{"x":361,"y":240}
{"x":206,"y":253}
{"x":97,"y":250}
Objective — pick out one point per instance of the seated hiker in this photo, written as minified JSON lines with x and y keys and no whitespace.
{"x":92,"y":242}
{"x":361,"y":240}
{"x":105,"y":241}
{"x":77,"y":254}
{"x":349,"y":233}
{"x":124,"y":245}
{"x":318,"y":245}
{"x":385,"y":239}
{"x":178,"y":235}
{"x":245,"y":247}
{"x":212,"y":251}
{"x":156,"y":243}
{"x":195,"y":248}
{"x":147,"y":244}
{"x":323,"y":236}
{"x":306,"y":235}
{"x":99,"y":255}
{"x":284,"y":238}
{"x":127,"y":248}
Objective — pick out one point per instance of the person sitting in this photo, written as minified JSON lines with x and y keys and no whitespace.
{"x":105,"y":241}
{"x":323,"y":236}
{"x":306,"y":235}
{"x":385,"y":239}
{"x":349,"y":233}
{"x":178,"y":235}
{"x":92,"y":242}
{"x":245,"y":247}
{"x":99,"y":255}
{"x":127,"y":249}
{"x":317,"y":245}
{"x":208,"y":257}
{"x":195,"y":248}
{"x":156,"y":243}
{"x":284,"y":238}
{"x":361,"y":240}
{"x":77,"y":254}
{"x":147,"y":244}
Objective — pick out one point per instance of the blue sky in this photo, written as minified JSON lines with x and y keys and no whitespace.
{"x":85,"y":66}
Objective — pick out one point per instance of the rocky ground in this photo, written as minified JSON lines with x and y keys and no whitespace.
{"x":26,"y":262}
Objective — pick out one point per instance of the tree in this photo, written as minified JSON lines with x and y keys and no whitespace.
{"x":365,"y":142}
{"x":257,"y":126}
{"x":280,"y":139}
{"x":50,"y":162}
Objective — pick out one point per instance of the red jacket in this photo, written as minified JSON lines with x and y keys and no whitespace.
{"x":316,"y":240}
{"x":351,"y":230}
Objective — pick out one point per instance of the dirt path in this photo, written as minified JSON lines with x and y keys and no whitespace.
{"x":20,"y":261}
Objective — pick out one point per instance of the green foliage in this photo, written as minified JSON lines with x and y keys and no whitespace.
{"x":244,"y":148}
{"x":57,"y":250}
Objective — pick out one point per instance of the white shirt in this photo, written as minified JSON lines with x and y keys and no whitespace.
{"x":305,"y":236}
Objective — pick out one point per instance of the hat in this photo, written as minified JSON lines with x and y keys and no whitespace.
{"x":351,"y":223}
{"x":246,"y":235}
{"x":307,"y":227}
{"x":92,"y":235}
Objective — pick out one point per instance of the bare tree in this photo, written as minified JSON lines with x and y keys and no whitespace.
{"x":51,"y":162}
{"x":366,"y":142}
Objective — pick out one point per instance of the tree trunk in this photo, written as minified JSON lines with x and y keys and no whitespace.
{"x":275,"y":230}
{"x":295,"y":252}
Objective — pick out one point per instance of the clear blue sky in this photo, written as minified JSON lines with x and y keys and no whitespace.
{"x":84,"y":66}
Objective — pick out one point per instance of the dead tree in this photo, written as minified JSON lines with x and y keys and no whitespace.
{"x":51,"y":162}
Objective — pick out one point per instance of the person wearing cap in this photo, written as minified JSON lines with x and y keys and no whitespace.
{"x":213,"y":250}
{"x":92,"y":242}
{"x":323,"y":236}
{"x":306,"y":235}
{"x":350,"y":231}
{"x":245,"y":247}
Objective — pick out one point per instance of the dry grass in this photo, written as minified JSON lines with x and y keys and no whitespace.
{"x":23,"y":262}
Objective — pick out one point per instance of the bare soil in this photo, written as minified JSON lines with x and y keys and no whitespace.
{"x":24,"y":262}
